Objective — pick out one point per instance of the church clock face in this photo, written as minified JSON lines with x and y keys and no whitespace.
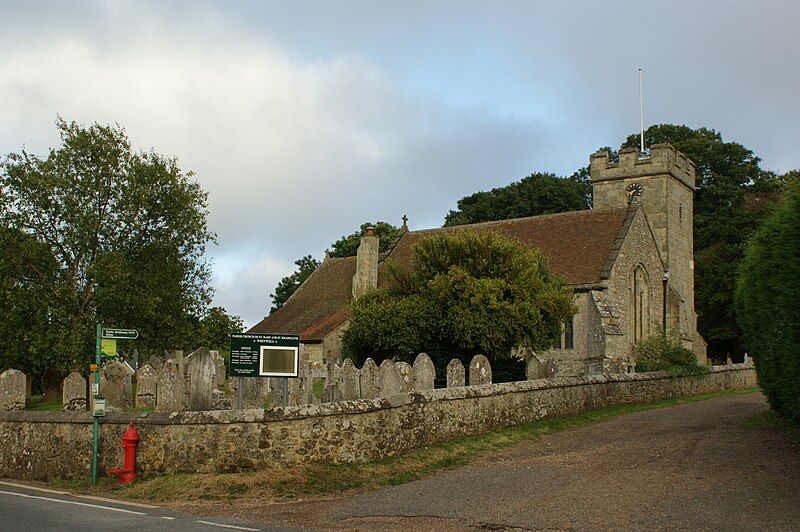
{"x":633,"y":190}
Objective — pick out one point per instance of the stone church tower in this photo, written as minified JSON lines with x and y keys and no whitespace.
{"x":664,"y":185}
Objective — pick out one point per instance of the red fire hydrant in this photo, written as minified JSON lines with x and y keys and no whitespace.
{"x":130,"y":441}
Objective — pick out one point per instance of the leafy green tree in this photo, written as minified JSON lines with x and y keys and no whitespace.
{"x":734,"y":194}
{"x":767,"y":295}
{"x":122,"y":232}
{"x":533,"y":195}
{"x":347,"y":246}
{"x":467,"y":293}
{"x":214,"y":328}
{"x":287,"y":286}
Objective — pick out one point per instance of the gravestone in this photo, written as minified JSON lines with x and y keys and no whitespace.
{"x":12,"y":390}
{"x":368,"y":375}
{"x":115,"y":386}
{"x":220,"y":401}
{"x":171,"y":392}
{"x":52,"y":380}
{"x":348,"y":381}
{"x":456,"y":375}
{"x":480,"y":372}
{"x":156,"y":363}
{"x":202,"y":379}
{"x":424,"y":372}
{"x":294,"y":396}
{"x":254,"y":392}
{"x":73,"y":396}
{"x":389,"y":379}
{"x":306,"y":393}
{"x":146,"y":387}
{"x":407,"y":374}
{"x":277,"y":392}
{"x":332,"y":393}
{"x":534,"y":369}
{"x":219,"y":363}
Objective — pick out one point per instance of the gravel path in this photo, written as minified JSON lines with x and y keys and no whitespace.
{"x":692,"y":466}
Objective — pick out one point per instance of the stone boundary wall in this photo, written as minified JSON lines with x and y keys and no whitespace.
{"x":49,"y":445}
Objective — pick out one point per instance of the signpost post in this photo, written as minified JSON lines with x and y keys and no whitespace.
{"x":263,"y":355}
{"x":105,"y":344}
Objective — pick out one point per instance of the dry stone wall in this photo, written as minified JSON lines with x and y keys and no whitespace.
{"x":47,"y":445}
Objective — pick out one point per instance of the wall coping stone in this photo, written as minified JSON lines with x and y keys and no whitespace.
{"x":353,"y":406}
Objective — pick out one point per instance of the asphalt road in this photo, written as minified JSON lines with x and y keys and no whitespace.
{"x":25,"y":508}
{"x":690,"y":467}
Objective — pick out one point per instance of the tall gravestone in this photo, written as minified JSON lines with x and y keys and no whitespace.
{"x":254,"y":392}
{"x":12,"y":390}
{"x":348,"y":381}
{"x":534,"y":369}
{"x":306,"y":392}
{"x":456,"y":375}
{"x":146,"y":387}
{"x":332,"y":393}
{"x":480,"y":372}
{"x":424,"y":372}
{"x":407,"y":374}
{"x":115,"y":386}
{"x":278,"y":392}
{"x":389,"y":378}
{"x":171,"y":392}
{"x":368,"y":375}
{"x":202,"y":379}
{"x":73,"y":396}
{"x":219,"y":363}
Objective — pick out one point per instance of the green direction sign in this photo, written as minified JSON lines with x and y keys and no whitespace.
{"x":264,"y":355}
{"x":120,"y":334}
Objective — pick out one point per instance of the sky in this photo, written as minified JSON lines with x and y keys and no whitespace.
{"x":305,"y":119}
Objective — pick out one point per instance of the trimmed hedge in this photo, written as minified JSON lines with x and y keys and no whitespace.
{"x":662,"y":353}
{"x":768,"y":304}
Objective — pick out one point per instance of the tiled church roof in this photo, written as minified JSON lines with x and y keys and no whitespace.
{"x":577,"y":244}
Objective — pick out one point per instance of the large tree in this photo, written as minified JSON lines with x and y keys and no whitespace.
{"x":536,"y":194}
{"x":105,"y":234}
{"x":347,"y":246}
{"x":467,"y":293}
{"x":734,"y":194}
{"x":767,"y":307}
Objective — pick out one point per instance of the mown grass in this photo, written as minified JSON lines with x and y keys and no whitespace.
{"x":324,"y":478}
{"x":772,"y":420}
{"x":37,"y":405}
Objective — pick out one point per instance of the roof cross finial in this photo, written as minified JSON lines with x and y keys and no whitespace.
{"x":405,"y":222}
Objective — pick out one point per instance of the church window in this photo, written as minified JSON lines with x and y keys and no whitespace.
{"x":640,"y":306}
{"x":569,"y":334}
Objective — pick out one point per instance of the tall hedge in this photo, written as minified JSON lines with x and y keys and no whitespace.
{"x":768,"y":304}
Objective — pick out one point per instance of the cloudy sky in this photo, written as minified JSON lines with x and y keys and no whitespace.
{"x":305,"y":119}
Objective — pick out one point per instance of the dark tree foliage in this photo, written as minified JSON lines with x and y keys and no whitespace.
{"x":287,"y":286}
{"x":97,"y":232}
{"x":347,"y":246}
{"x":734,"y":194}
{"x":536,"y":194}
{"x":467,"y":293}
{"x":214,"y":328}
{"x":767,"y":295}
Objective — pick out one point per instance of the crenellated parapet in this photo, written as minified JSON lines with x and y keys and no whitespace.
{"x":662,"y":159}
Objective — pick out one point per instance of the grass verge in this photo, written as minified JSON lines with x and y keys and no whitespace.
{"x":772,"y":420}
{"x":323,"y":478}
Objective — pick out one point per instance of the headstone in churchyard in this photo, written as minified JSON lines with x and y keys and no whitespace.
{"x":534,"y":369}
{"x":52,"y":379}
{"x":480,"y":372}
{"x":146,"y":387}
{"x":254,"y":391}
{"x":12,"y":390}
{"x":277,"y":392}
{"x":220,"y":401}
{"x":156,"y":363}
{"x":219,"y":363}
{"x":332,"y":393}
{"x":115,"y":386}
{"x":424,"y":372}
{"x":456,"y":376}
{"x":202,"y":379}
{"x":370,"y":386}
{"x":407,"y":374}
{"x":348,"y":381}
{"x":73,"y":396}
{"x":171,"y":391}
{"x":305,"y":381}
{"x":389,"y":379}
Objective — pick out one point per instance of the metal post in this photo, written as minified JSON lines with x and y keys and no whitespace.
{"x":95,"y":393}
{"x":665,"y":282}
{"x":239,"y":384}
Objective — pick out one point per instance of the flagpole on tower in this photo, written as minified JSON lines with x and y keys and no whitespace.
{"x":641,"y":112}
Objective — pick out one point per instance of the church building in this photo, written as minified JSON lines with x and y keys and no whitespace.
{"x":629,"y":261}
